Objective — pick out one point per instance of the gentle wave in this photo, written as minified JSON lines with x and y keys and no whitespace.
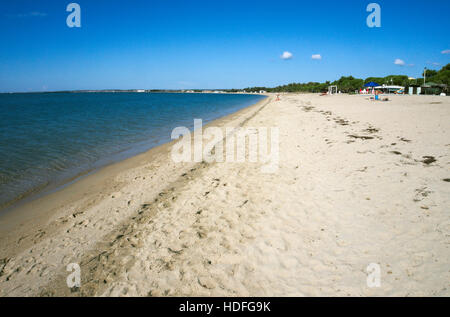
{"x":46,"y":138}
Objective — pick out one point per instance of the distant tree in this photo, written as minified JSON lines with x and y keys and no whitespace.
{"x":430,"y":73}
{"x":350,"y":84}
{"x":440,"y":77}
{"x":399,"y":80}
{"x":378,"y":80}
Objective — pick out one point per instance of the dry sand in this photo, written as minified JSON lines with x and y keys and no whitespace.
{"x":356,"y":185}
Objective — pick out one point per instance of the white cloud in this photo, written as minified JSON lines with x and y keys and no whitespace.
{"x":286,"y":55}
{"x":399,"y":62}
{"x":28,"y":14}
{"x":37,"y":14}
{"x":434,"y":63}
{"x":316,"y":56}
{"x":446,"y":52}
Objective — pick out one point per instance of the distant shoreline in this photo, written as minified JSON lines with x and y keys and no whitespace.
{"x":188,"y":91}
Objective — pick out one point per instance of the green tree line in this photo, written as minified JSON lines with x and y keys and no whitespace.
{"x":349,"y":84}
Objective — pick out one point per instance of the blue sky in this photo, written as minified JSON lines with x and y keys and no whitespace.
{"x":214,"y":44}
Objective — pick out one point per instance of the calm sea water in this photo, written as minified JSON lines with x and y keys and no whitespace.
{"x":48,"y":138}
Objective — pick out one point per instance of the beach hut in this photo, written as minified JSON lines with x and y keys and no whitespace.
{"x":391,"y":89}
{"x":332,"y":90}
{"x":434,"y":89}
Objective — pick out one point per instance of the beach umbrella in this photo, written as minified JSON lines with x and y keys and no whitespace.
{"x":371,"y":84}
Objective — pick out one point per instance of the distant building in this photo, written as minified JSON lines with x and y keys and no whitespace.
{"x":434,"y":89}
{"x":389,"y":89}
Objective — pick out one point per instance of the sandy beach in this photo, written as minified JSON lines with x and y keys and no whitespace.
{"x":359,"y":182}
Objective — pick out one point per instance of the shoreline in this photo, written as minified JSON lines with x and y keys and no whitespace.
{"x":21,"y":209}
{"x":58,"y":184}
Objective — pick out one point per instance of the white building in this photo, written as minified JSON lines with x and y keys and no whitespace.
{"x":391,"y":89}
